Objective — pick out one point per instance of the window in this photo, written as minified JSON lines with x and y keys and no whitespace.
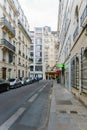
{"x":4,"y":56}
{"x":31,"y":54}
{"x":38,"y":68}
{"x":14,"y":43}
{"x":38,"y":30}
{"x":4,"y":35}
{"x":10,"y":39}
{"x":77,"y":14}
{"x":10,"y":57}
{"x":38,"y":41}
{"x":31,"y":48}
{"x":10,"y":12}
{"x":38,"y":60}
{"x":38,"y":54}
{"x":4,"y":4}
{"x":31,"y":68}
{"x":38,"y":48}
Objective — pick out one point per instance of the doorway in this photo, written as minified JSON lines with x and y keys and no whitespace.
{"x":4,"y":73}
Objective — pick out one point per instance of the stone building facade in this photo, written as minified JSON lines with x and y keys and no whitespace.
{"x":43,"y":52}
{"x":14,"y":40}
{"x":72,"y":53}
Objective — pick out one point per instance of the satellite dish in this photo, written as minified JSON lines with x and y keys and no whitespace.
{"x":85,"y":52}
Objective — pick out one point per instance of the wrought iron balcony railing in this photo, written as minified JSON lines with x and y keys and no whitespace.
{"x":7,"y":25}
{"x":8,"y":45}
{"x":83,"y":16}
{"x":19,"y":22}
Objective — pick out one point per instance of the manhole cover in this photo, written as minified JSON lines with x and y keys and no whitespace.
{"x":73,"y":112}
{"x":62,"y":112}
{"x":64,"y":102}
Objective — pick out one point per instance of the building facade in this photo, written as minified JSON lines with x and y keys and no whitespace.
{"x":14,"y":40}
{"x":50,"y":52}
{"x":72,"y":53}
{"x":43,"y":53}
{"x":36,"y":53}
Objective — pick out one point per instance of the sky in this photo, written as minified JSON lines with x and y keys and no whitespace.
{"x":41,"y":13}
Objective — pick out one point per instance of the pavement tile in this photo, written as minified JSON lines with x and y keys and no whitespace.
{"x":71,"y":114}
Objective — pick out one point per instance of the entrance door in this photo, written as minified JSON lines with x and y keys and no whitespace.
{"x":4,"y":73}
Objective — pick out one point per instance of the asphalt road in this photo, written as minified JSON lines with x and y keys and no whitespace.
{"x":25,"y":108}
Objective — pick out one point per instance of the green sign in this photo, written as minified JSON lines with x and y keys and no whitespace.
{"x":60,"y":65}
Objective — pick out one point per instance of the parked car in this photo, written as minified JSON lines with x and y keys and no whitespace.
{"x":28,"y":81}
{"x":14,"y":83}
{"x":23,"y":81}
{"x":34,"y":79}
{"x":4,"y":85}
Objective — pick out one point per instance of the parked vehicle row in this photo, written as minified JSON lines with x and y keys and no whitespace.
{"x":14,"y":83}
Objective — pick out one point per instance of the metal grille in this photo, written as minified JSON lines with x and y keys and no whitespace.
{"x":83,"y":71}
{"x":75,"y":72}
{"x":64,"y":102}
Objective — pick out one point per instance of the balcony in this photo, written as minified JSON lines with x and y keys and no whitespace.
{"x":7,"y":26}
{"x":75,"y":34}
{"x":23,"y":28}
{"x":6,"y":44}
{"x":83,"y":19}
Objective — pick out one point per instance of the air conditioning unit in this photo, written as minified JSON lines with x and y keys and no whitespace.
{"x":85,"y":52}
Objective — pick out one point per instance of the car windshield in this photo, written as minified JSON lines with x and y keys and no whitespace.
{"x":11,"y":80}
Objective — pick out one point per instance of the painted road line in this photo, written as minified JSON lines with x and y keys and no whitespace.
{"x":6,"y":125}
{"x":33,"y":98}
{"x":45,"y":85}
{"x":41,"y":90}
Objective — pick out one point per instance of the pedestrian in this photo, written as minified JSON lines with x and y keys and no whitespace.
{"x":38,"y":79}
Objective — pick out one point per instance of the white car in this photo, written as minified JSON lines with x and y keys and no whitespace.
{"x":23,"y":81}
{"x":14,"y":83}
{"x":28,"y":81}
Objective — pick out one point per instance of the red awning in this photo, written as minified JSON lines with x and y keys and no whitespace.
{"x":58,"y":72}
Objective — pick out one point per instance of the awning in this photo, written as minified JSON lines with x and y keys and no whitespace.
{"x":58,"y":72}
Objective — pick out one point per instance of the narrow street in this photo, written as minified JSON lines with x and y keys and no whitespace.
{"x":25,"y":108}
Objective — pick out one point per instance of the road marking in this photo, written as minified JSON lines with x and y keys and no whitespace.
{"x":45,"y":85}
{"x":6,"y":125}
{"x":41,"y":90}
{"x":33,"y":98}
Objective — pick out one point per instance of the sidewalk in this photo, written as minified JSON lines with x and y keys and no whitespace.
{"x":66,"y":113}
